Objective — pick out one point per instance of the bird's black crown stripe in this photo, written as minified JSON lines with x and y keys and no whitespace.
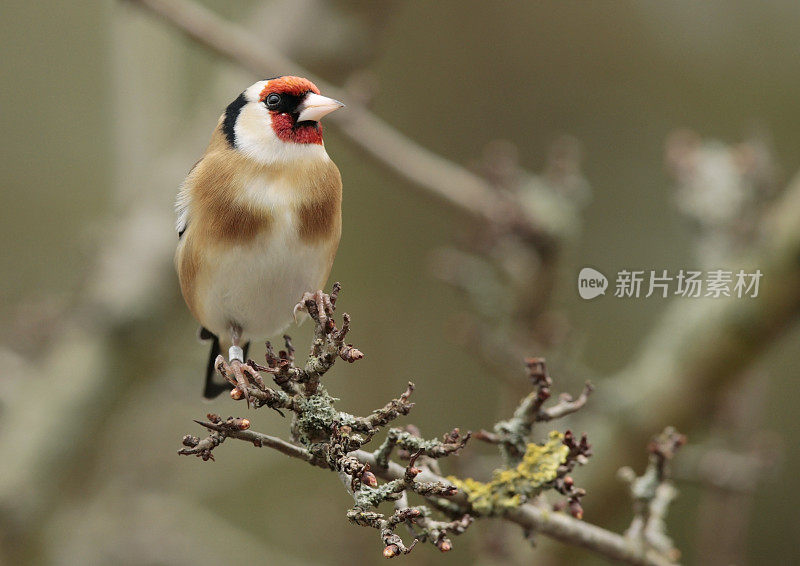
{"x":231,"y":113}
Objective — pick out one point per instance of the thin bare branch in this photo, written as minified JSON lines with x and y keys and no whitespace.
{"x":258,"y":439}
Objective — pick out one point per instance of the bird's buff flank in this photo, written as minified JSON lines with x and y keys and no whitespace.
{"x":259,"y":219}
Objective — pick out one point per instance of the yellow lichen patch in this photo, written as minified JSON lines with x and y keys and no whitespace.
{"x":510,"y":488}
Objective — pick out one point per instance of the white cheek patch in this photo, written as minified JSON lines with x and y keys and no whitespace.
{"x":253,"y":131}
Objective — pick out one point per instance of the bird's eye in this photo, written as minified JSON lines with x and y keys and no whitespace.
{"x":273,"y":101}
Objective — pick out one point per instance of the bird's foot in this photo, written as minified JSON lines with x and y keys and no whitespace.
{"x":241,"y":376}
{"x":318,"y":305}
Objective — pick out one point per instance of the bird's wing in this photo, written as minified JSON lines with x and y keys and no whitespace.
{"x":182,"y":204}
{"x":182,"y":210}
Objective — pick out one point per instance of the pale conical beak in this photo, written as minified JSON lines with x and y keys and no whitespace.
{"x":315,"y":106}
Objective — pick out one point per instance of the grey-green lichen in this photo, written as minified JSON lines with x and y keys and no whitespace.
{"x":314,"y":417}
{"x":509,"y":488}
{"x":368,"y":497}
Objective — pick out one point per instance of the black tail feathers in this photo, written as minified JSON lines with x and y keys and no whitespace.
{"x":215,"y":385}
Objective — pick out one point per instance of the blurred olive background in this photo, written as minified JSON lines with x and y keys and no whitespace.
{"x":101,"y":104}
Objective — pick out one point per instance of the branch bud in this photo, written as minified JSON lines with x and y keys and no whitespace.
{"x":575,"y":509}
{"x":444,"y":545}
{"x":391,"y":551}
{"x":368,"y":478}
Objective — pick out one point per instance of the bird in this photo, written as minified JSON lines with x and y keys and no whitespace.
{"x":259,"y":219}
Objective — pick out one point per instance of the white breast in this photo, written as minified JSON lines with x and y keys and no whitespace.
{"x":256,"y":285}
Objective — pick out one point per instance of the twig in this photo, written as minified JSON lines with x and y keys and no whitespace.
{"x":257,"y":438}
{"x":652,"y":492}
{"x":512,"y":435}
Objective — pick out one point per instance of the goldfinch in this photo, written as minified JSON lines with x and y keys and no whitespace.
{"x":259,"y":218}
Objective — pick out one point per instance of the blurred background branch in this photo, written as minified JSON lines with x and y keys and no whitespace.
{"x":696,"y":346}
{"x":97,"y":344}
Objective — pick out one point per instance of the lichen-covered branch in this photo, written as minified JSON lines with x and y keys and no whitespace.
{"x":512,"y":435}
{"x":391,"y":411}
{"x":531,"y":468}
{"x":326,"y":437}
{"x":451,"y":443}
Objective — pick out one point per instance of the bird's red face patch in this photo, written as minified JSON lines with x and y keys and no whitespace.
{"x":283,"y":120}
{"x":296,"y":86}
{"x":287,"y":130}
